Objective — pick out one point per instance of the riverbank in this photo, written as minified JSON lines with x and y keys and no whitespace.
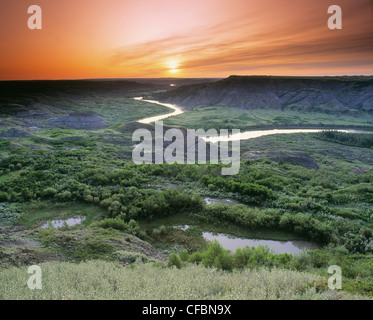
{"x":255,"y":131}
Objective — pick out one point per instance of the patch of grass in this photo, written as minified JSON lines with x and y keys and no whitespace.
{"x":163,"y":236}
{"x":125,"y":257}
{"x":4,"y":144}
{"x":322,"y":151}
{"x":56,"y":133}
{"x":363,"y":140}
{"x":91,"y":243}
{"x":113,"y":109}
{"x":9,"y":214}
{"x":175,"y":240}
{"x":220,"y":117}
{"x":40,"y":212}
{"x":10,"y":175}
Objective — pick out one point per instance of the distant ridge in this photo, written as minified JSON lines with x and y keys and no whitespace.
{"x":346,"y":94}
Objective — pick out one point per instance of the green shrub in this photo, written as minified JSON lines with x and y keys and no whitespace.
{"x":224,"y":261}
{"x":162,"y":229}
{"x":363,"y":140}
{"x":241,"y":258}
{"x":213,"y":250}
{"x":195,"y":257}
{"x":126,"y":257}
{"x":8,"y":215}
{"x":63,"y":196}
{"x":255,"y":192}
{"x":174,"y":260}
{"x":113,"y":223}
{"x":3,"y":196}
{"x":156,"y":232}
{"x":4,"y":144}
{"x":183,"y":255}
{"x":49,"y":192}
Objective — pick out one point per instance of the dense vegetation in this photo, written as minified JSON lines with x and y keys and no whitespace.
{"x":312,"y":209}
{"x":55,"y":173}
{"x":355,"y":140}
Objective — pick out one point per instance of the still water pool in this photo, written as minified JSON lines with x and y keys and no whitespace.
{"x":232,"y":243}
{"x":60,"y":223}
{"x":277,"y":246}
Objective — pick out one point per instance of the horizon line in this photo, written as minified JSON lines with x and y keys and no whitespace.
{"x":181,"y":78}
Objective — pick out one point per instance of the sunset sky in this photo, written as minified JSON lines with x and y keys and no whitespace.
{"x":184,"y":38}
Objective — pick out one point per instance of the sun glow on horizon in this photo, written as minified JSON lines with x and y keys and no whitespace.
{"x":173,"y":67}
{"x":174,"y":70}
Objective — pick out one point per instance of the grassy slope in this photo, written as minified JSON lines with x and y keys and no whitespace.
{"x":322,"y":151}
{"x":110,"y":99}
{"x":114,"y":110}
{"x":80,"y":281}
{"x":233,"y":118}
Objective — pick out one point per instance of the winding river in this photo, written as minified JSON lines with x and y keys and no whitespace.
{"x":228,"y":241}
{"x":240,"y":136}
{"x":177,"y":111}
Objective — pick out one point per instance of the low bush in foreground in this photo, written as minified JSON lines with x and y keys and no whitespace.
{"x":357,"y":270}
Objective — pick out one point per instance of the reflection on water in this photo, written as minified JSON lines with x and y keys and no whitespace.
{"x":232,"y":243}
{"x":209,"y":201}
{"x":259,"y":133}
{"x":177,"y":111}
{"x":182,"y":227}
{"x":293,"y":247}
{"x":60,"y":223}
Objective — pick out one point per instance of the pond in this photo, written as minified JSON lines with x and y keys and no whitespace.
{"x":60,"y":223}
{"x":209,"y":201}
{"x":231,"y":242}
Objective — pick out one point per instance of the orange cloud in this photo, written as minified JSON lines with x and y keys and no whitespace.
{"x":210,"y":38}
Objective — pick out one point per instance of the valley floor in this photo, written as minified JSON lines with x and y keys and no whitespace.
{"x":122,"y":242}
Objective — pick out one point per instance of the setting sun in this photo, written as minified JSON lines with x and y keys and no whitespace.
{"x":173,"y":67}
{"x":173,"y":70}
